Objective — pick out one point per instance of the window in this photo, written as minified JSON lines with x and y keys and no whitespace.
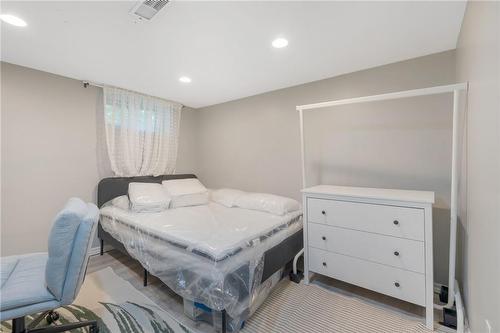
{"x":141,"y":133}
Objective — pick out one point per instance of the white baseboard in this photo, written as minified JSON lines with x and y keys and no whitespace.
{"x":437,"y":287}
{"x":467,"y":327}
{"x":97,"y":250}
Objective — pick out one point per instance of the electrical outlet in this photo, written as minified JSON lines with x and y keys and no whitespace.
{"x":488,"y":326}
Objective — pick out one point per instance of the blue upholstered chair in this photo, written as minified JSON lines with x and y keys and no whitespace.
{"x":41,"y":282}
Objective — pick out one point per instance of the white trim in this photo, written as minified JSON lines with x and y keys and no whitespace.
{"x":306,"y":238}
{"x":94,"y":251}
{"x":302,"y":148}
{"x":453,"y":202}
{"x":429,"y":268}
{"x":395,"y":95}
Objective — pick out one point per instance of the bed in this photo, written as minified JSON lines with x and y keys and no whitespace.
{"x":211,"y":255}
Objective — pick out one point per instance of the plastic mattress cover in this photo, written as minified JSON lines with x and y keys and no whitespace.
{"x":210,"y":254}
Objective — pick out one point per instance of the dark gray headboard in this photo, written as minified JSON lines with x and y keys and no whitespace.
{"x":110,"y":188}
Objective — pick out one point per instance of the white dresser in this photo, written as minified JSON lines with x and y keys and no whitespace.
{"x":378,"y":239}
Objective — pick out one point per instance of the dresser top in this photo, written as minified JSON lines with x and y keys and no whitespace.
{"x":372,"y":193}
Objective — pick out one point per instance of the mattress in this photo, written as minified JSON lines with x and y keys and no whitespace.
{"x":213,"y":231}
{"x":208,"y":254}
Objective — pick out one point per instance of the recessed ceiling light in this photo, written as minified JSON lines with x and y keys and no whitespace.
{"x":280,"y":43}
{"x":14,"y":20}
{"x":185,"y":79}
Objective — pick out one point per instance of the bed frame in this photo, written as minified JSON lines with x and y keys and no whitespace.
{"x":275,"y":258}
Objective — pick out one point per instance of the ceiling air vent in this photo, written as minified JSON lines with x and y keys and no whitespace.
{"x":145,"y":10}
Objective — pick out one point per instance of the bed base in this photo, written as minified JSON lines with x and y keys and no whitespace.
{"x":277,"y":257}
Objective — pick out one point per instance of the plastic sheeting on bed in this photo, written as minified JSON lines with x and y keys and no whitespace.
{"x":209,"y":254}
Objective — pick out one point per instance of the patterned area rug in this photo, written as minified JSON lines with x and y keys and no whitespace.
{"x":117,"y":306}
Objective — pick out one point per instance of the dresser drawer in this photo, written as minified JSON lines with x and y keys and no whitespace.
{"x":398,"y":252}
{"x":395,"y":221}
{"x":395,"y":282}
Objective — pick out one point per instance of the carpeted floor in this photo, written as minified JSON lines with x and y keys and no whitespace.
{"x":294,"y":308}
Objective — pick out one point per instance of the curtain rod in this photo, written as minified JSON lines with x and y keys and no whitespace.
{"x":86,"y":84}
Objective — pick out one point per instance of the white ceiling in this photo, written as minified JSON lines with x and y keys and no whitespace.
{"x":225,"y":47}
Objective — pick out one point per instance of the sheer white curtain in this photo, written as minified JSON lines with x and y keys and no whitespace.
{"x":141,"y":133}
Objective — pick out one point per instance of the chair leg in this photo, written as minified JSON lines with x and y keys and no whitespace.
{"x":102,"y":247}
{"x":68,"y":327}
{"x":34,"y":323}
{"x":224,"y":321}
{"x":18,"y":325}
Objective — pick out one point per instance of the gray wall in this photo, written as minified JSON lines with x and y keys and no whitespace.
{"x":478,"y":61}
{"x":49,"y":152}
{"x":253,"y":143}
{"x":187,"y":151}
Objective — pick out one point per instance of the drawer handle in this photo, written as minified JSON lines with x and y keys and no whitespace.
{"x":323,"y":238}
{"x":324,"y":264}
{"x":396,"y":253}
{"x":397,"y":284}
{"x":323,"y":212}
{"x":396,"y":222}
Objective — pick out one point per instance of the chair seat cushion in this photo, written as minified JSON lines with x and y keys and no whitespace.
{"x":23,"y":281}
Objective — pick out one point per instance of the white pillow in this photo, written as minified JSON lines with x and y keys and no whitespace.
{"x":270,"y":203}
{"x":121,"y":202}
{"x":226,"y":196}
{"x":147,"y":197}
{"x":186,"y":192}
